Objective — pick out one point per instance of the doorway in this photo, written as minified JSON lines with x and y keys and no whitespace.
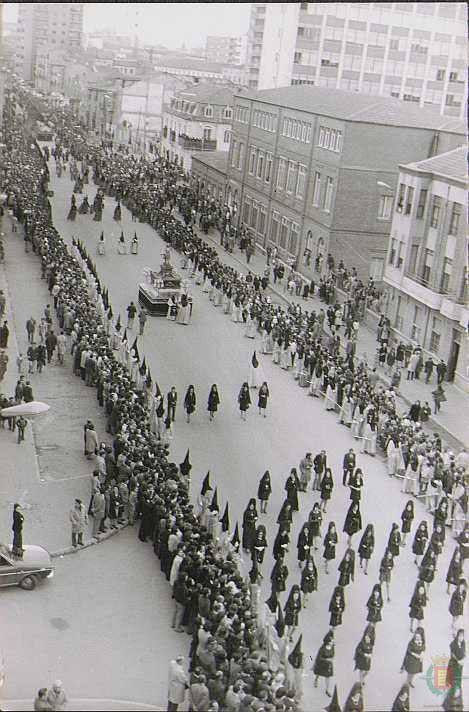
{"x":454,"y":355}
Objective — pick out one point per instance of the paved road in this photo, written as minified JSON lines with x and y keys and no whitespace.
{"x":213,"y":349}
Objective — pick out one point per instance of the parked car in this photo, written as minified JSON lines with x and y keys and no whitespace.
{"x":35,"y":565}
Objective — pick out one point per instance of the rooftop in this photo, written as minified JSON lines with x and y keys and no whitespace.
{"x":207,"y":94}
{"x":214,"y":159}
{"x":452,"y":164}
{"x":182,"y":63}
{"x":350,"y":106}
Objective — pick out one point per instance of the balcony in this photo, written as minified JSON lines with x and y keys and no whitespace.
{"x":196,"y":144}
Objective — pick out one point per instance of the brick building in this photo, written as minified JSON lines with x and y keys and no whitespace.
{"x":427,"y":263}
{"x":210,"y":168}
{"x":314,"y":170}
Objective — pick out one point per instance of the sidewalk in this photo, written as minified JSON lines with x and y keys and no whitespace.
{"x":100,"y":705}
{"x":448,"y":423}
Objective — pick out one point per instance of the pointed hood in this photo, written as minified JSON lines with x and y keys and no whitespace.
{"x":109,"y":313}
{"x":254,"y":360}
{"x":185,"y":465}
{"x":235,"y":541}
{"x":148,"y":380}
{"x":124,"y":336}
{"x":214,"y":505}
{"x":280,"y":623}
{"x":334,"y":704}
{"x":157,"y":389}
{"x":225,"y":520}
{"x":272,"y":602}
{"x":135,"y":350}
{"x":101,"y":237}
{"x":206,"y":484}
{"x":296,"y":656}
{"x":118,"y":323}
{"x":143,"y":368}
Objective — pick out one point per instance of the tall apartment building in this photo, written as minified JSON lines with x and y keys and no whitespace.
{"x":315,"y":170}
{"x":2,"y":72}
{"x":59,"y":25}
{"x":226,"y":50}
{"x":427,"y":263}
{"x":414,"y":51}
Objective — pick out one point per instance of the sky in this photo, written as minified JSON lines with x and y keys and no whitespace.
{"x":170,"y":24}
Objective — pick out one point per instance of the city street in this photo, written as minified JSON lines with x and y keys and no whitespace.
{"x":212,"y":349}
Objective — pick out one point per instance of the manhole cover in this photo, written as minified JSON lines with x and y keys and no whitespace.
{"x":59,"y":623}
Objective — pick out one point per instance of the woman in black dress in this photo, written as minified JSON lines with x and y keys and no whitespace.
{"x":249,"y":525}
{"x":244,"y":400}
{"x":292,"y":610}
{"x":454,"y":570}
{"x":385,"y":570}
{"x":259,"y":545}
{"x":366,"y":546}
{"x":375,"y":605}
{"x":407,"y":517}
{"x":438,"y":537}
{"x":17,"y":528}
{"x":412,"y":662}
{"x":262,"y":399}
{"x":356,"y":484}
{"x":315,"y":521}
{"x":281,"y":543}
{"x":279,"y":576}
{"x":417,"y":604}
{"x":354,"y":701}
{"x":456,"y":662}
{"x":420,"y":541}
{"x":336,"y":607}
{"x":402,"y":701}
{"x":326,"y":487}
{"x":264,"y":491}
{"x":213,"y":401}
{"x":189,"y":402}
{"x":428,"y":567}
{"x":456,"y":605}
{"x":291,"y":488}
{"x":285,"y":516}
{"x":304,"y":544}
{"x":363,"y":653}
{"x":353,"y":521}
{"x":347,"y":568}
{"x":323,"y":665}
{"x":394,"y":541}
{"x":330,"y":541}
{"x":309,"y":580}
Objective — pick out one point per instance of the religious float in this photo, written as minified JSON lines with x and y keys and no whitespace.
{"x":159,"y":287}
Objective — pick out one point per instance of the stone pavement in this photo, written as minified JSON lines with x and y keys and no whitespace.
{"x":452,"y":427}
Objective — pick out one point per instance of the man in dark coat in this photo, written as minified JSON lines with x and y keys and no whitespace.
{"x":348,"y":465}
{"x":320,"y":464}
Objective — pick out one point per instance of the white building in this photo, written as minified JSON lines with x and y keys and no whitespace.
{"x":59,"y":25}
{"x":427,"y":264}
{"x":197,"y":119}
{"x":226,"y":50}
{"x":414,"y":51}
{"x":205,"y":71}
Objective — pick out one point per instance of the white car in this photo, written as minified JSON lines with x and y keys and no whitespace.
{"x":34,"y":566}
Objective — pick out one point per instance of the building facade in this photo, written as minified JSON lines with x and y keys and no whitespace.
{"x":199,"y":71}
{"x":209,"y":167}
{"x":59,"y":25}
{"x":197,"y":119}
{"x":225,"y":50}
{"x":314,"y":171}
{"x":414,"y":51}
{"x":427,"y":263}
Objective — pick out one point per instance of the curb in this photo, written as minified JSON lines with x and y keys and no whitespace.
{"x":88,"y":544}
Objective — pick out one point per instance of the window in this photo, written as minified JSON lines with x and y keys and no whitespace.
{"x":455,"y":217}
{"x":228,"y":113}
{"x":268,"y":167}
{"x":226,"y":136}
{"x":294,"y":232}
{"x":240,"y":163}
{"x":427,"y":267}
{"x":436,"y":210}
{"x":234,"y":151}
{"x":440,"y":75}
{"x":207,"y":134}
{"x":208,"y":112}
{"x":322,"y":134}
{"x":385,"y":207}
{"x":400,"y":198}
{"x":306,"y":133}
{"x":297,"y":58}
{"x":392,"y":251}
{"x":453,"y":76}
{"x":328,"y":195}
{"x":410,"y":197}
{"x":246,"y":210}
{"x":446,"y":276}
{"x":415,"y":332}
{"x":261,"y":221}
{"x":284,"y":230}
{"x":274,"y":227}
{"x":398,"y":322}
{"x":281,"y":173}
{"x":252,"y":160}
{"x":435,"y":335}
{"x":421,"y":204}
{"x":254,"y":214}
{"x":260,"y":165}
{"x":414,"y":251}
{"x":301,"y":181}
{"x":317,"y":189}
{"x":400,"y":253}
{"x":291,"y":177}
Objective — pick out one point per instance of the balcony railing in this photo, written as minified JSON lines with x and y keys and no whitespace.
{"x":197,"y":144}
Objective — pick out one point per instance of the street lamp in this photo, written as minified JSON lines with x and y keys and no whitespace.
{"x":382,"y":184}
